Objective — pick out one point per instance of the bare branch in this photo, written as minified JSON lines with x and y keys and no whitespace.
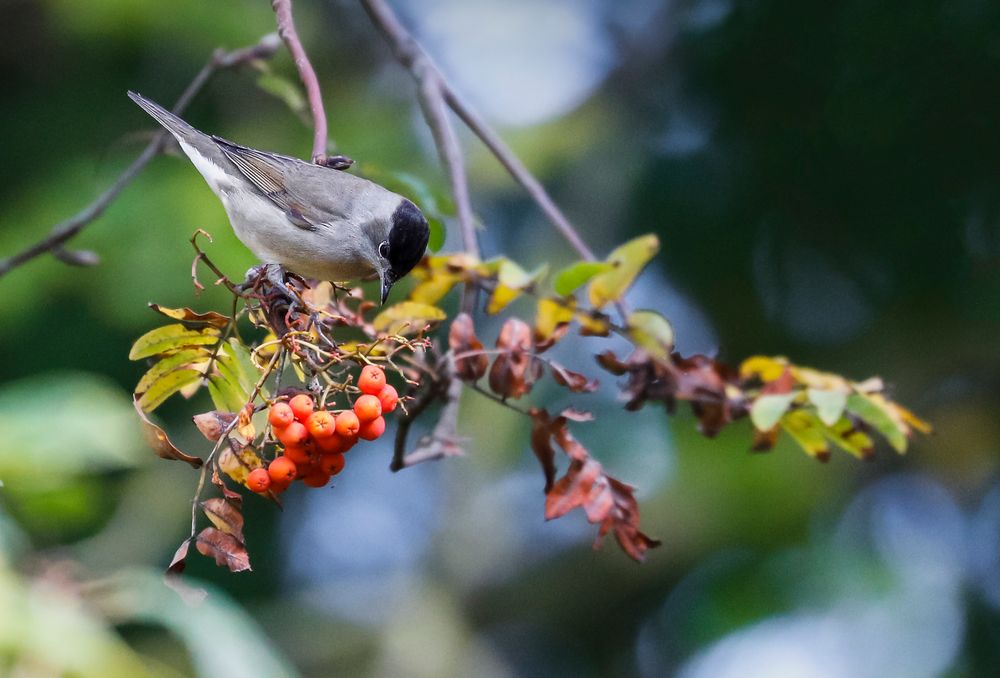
{"x":62,"y":232}
{"x":286,"y":29}
{"x":409,"y":53}
{"x":443,"y":441}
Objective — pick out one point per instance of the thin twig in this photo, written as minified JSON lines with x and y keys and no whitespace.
{"x":409,"y":53}
{"x":62,"y":232}
{"x":286,"y":29}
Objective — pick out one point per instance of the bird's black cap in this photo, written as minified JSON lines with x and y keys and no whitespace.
{"x":408,"y":238}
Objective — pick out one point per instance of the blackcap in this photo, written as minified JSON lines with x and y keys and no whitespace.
{"x":315,"y":221}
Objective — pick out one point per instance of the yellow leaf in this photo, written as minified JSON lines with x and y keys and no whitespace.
{"x":651,"y":332}
{"x":407,"y":317}
{"x":627,"y":260}
{"x":763,"y":367}
{"x":551,"y":315}
{"x":171,"y":338}
{"x":808,"y":431}
{"x":166,"y":386}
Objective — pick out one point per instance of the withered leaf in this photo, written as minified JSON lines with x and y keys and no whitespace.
{"x":462,"y":339}
{"x":515,"y":370}
{"x":225,"y":516}
{"x":212,"y":424}
{"x":232,"y":496}
{"x":186,"y":315}
{"x":157,"y":438}
{"x":541,"y":444}
{"x":574,"y":381}
{"x":224,"y":548}
{"x":179,"y":561}
{"x":245,"y":424}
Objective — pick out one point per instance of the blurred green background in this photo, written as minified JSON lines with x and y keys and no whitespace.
{"x":825,"y":180}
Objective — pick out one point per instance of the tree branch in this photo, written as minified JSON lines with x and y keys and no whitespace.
{"x":409,"y":53}
{"x":64,"y":231}
{"x":286,"y":29}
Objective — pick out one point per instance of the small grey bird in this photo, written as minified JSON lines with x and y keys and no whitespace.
{"x":312,"y":220}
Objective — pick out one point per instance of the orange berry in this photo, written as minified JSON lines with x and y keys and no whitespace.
{"x":279,"y":487}
{"x":281,"y":469}
{"x":302,"y":470}
{"x":388,"y":397}
{"x":372,"y":379}
{"x":295,"y":434}
{"x":348,"y":424}
{"x":371,"y":430}
{"x":332,"y":445}
{"x":367,"y":407}
{"x":302,"y":406}
{"x":299,"y":454}
{"x":331,"y":464}
{"x":321,"y":424}
{"x":259,"y":480}
{"x":349,"y":443}
{"x":281,"y":415}
{"x":316,"y":478}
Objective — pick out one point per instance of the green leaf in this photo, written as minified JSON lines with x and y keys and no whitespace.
{"x":512,"y":280}
{"x":407,"y":317}
{"x":808,"y":431}
{"x":226,"y":396}
{"x":574,"y":276}
{"x":626,"y":261}
{"x":652,"y":332}
{"x":240,"y":355}
{"x":873,"y":414}
{"x":166,"y":386}
{"x":829,"y":404}
{"x":768,"y":409}
{"x":186,"y":358}
{"x":171,"y":338}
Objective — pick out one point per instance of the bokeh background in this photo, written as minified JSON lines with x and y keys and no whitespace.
{"x":825,"y":180}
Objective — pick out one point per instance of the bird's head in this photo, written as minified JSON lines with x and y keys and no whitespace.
{"x":403,"y":246}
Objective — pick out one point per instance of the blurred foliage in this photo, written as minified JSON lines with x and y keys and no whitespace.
{"x":825,"y":184}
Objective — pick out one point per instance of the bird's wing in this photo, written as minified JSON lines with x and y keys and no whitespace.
{"x":270,"y":174}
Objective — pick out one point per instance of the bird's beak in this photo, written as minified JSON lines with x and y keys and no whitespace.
{"x":387,"y":281}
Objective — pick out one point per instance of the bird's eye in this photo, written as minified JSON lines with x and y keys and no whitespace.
{"x":383,"y":249}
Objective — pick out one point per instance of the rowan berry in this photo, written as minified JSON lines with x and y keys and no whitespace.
{"x":281,"y":469}
{"x":295,"y":434}
{"x":388,"y":397}
{"x":370,"y":430}
{"x":259,"y":480}
{"x":302,"y":405}
{"x":372,"y":379}
{"x":348,"y":424}
{"x":331,"y":464}
{"x":281,"y":415}
{"x":367,"y":407}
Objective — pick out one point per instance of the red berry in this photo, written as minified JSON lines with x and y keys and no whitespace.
{"x":348,"y":424}
{"x":281,"y":415}
{"x":302,"y":406}
{"x":332,"y":445}
{"x":316,"y":479}
{"x":367,"y":407}
{"x":372,"y":379}
{"x":388,"y":397}
{"x":372,"y":429}
{"x":321,"y":424}
{"x":331,"y":464}
{"x":281,"y":469}
{"x":279,"y":487}
{"x":259,"y":480}
{"x":299,"y":454}
{"x":295,"y":434}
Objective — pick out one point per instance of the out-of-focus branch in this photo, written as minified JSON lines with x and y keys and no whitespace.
{"x":62,"y":232}
{"x":409,"y":52}
{"x":286,"y":29}
{"x":443,"y":441}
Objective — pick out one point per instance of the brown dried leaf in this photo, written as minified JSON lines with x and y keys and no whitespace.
{"x":225,"y":548}
{"x":157,"y":438}
{"x":186,"y":315}
{"x":225,"y":516}
{"x":516,"y":370}
{"x":462,"y":339}
{"x":541,"y":444}
{"x":212,"y":424}
{"x":234,"y":497}
{"x":245,"y":425}
{"x":179,"y":561}
{"x":574,"y":381}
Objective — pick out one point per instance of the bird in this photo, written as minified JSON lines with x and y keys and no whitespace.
{"x":308,"y":219}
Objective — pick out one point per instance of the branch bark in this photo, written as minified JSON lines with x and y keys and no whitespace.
{"x":411,"y":55}
{"x":54,"y":243}
{"x":286,"y":29}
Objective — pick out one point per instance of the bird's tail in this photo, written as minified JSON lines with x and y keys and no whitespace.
{"x":174,"y":125}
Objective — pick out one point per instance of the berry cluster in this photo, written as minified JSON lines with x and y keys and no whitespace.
{"x":315,"y":440}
